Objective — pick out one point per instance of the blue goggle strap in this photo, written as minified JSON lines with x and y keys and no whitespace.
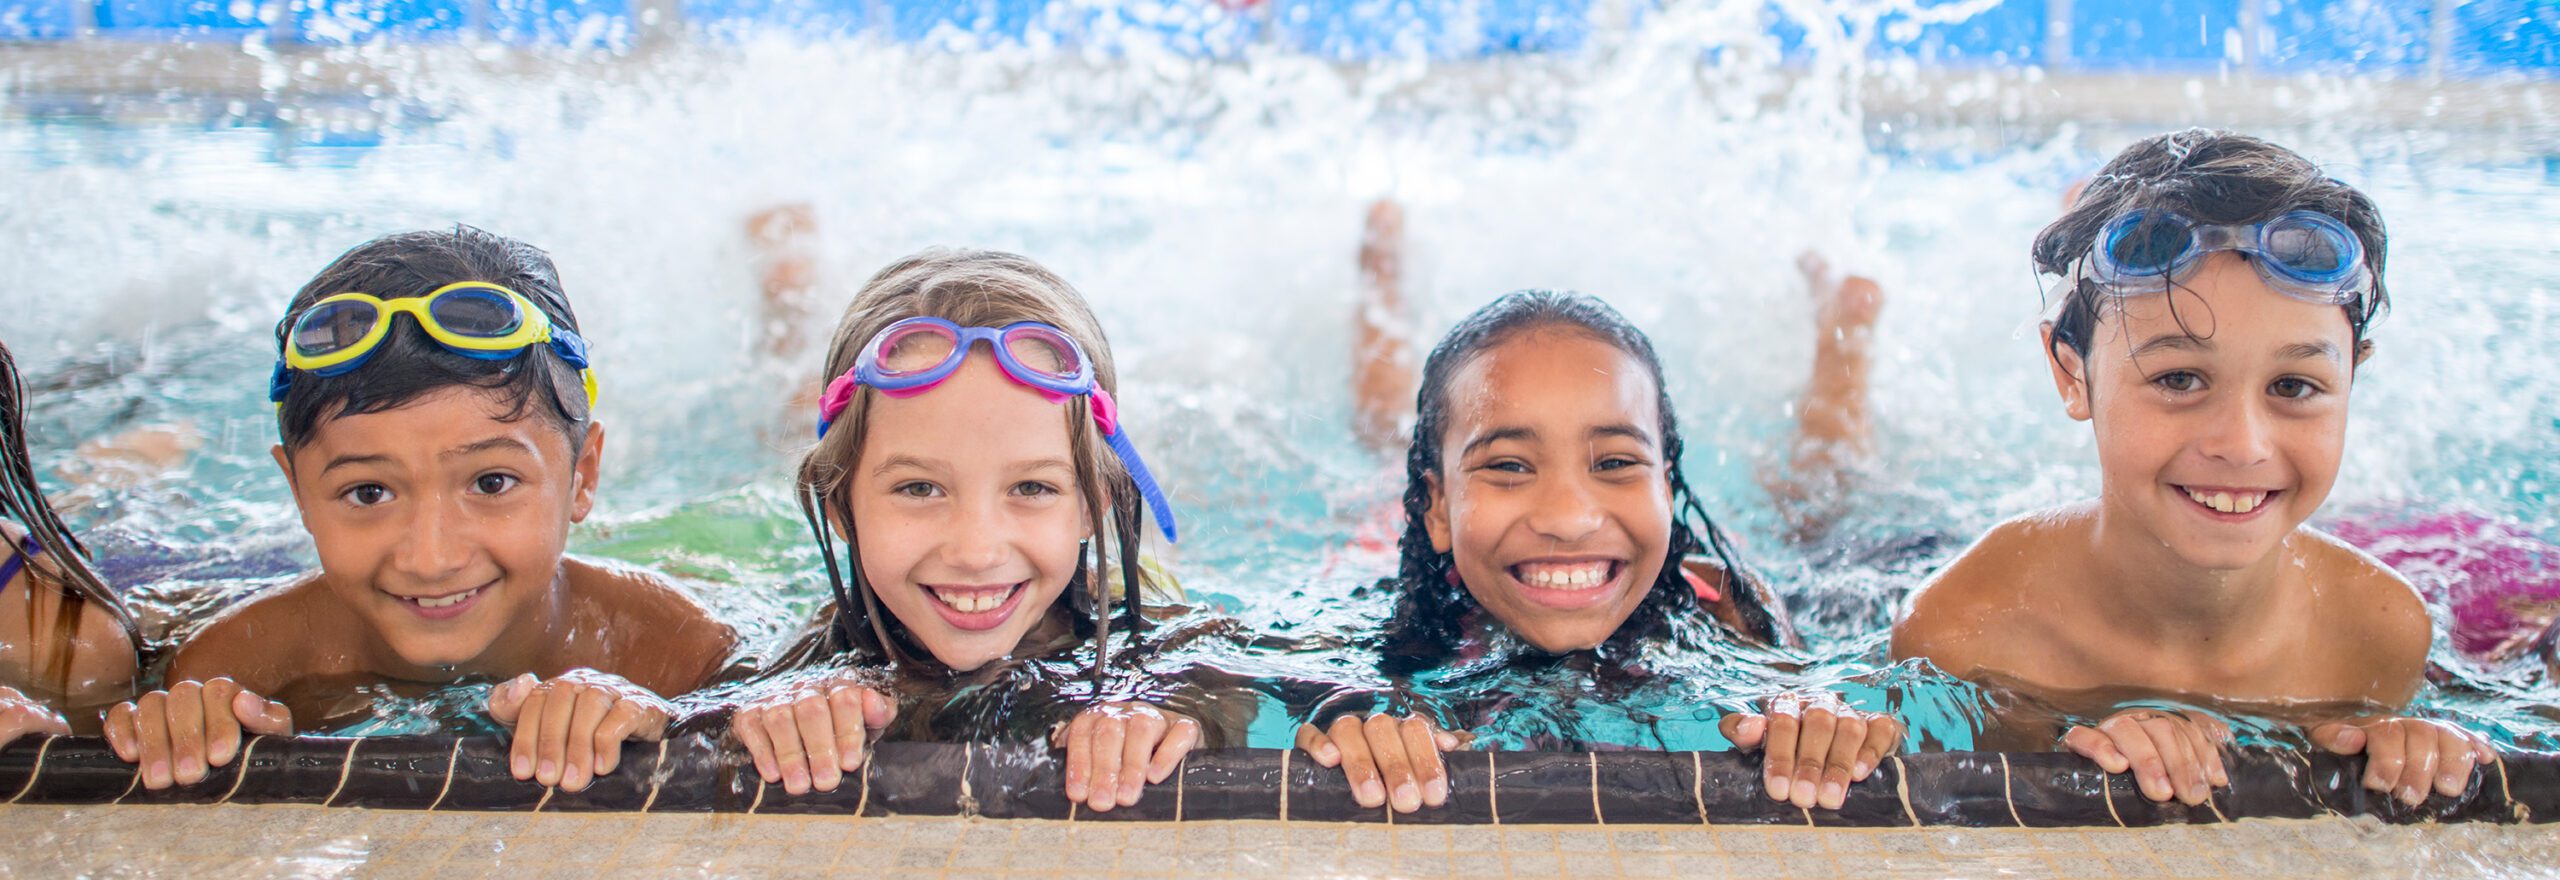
{"x":1138,"y":473}
{"x":567,"y":344}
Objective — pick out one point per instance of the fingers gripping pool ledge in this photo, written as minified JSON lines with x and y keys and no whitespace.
{"x":696,"y":774}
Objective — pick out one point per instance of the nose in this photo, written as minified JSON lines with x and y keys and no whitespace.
{"x":2239,"y":434}
{"x":434,"y":545}
{"x":1566,"y":512}
{"x":977,"y":538}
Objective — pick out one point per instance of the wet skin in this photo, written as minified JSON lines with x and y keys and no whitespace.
{"x":440,"y":527}
{"x":970,"y":513}
{"x":2220,"y":414}
{"x":1552,"y":498}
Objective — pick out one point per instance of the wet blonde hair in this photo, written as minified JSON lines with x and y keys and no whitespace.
{"x":972,"y":288}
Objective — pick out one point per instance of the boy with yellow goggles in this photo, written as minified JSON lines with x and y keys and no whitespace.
{"x":474,"y":319}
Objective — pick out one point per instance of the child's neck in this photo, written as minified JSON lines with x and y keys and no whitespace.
{"x":2142,"y":587}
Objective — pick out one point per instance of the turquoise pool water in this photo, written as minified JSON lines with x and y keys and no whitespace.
{"x":1210,"y":207}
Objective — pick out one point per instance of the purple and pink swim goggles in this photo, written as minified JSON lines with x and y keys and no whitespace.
{"x":913,"y":355}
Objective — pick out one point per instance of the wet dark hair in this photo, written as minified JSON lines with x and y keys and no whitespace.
{"x":410,"y":365}
{"x":65,"y":564}
{"x":1434,"y":605}
{"x":2211,"y":177}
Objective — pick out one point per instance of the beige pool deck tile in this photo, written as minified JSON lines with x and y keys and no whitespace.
{"x":246,"y":841}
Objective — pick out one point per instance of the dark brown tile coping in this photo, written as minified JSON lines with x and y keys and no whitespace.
{"x":697,"y":774}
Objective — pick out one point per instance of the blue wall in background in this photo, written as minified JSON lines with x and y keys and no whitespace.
{"x":2362,"y":36}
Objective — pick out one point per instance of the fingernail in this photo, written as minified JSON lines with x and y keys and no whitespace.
{"x":1833,"y":793}
{"x":827,"y":778}
{"x":1329,"y":753}
{"x":1437,"y":791}
{"x":157,"y":774}
{"x":2412,"y":796}
{"x":1371,"y":793}
{"x":521,"y":766}
{"x":1408,"y":798}
{"x":1861,"y":769}
{"x":191,"y":768}
{"x":549,"y":772}
{"x":1778,"y":788}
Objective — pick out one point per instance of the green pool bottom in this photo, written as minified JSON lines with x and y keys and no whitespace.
{"x":303,"y":841}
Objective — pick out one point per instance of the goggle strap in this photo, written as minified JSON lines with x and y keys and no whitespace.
{"x":279,"y":382}
{"x":1128,"y":453}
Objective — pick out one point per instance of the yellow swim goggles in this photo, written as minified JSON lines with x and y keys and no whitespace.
{"x":474,"y":319}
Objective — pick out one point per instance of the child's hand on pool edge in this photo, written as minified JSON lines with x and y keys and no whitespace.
{"x":569,"y":730}
{"x":2172,"y":754}
{"x":1814,"y":746}
{"x":2404,"y":757}
{"x":177,"y":734}
{"x":1115,"y":750}
{"x":1387,"y":760}
{"x":21,"y":715}
{"x":810,"y":735}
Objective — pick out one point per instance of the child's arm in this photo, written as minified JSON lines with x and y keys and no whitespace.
{"x":1382,"y":364}
{"x":1815,"y":746}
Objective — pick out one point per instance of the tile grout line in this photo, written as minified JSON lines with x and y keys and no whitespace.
{"x":1902,"y":788}
{"x":1178,"y":787}
{"x":243,"y":776}
{"x":452,"y":761}
{"x":656,"y":779}
{"x":37,"y":770}
{"x":863,"y":803}
{"x":547,"y":792}
{"x":2009,"y":791}
{"x":758,"y":803}
{"x":346,"y":768}
{"x":1492,"y":790}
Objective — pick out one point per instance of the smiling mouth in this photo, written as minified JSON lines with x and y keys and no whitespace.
{"x":447,"y":605}
{"x":977,"y":608}
{"x":1568,"y":584}
{"x":2232,"y":502}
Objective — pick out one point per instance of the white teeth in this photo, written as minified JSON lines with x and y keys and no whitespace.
{"x":447,"y":601}
{"x":2227,"y":502}
{"x":972,"y":602}
{"x":1582,"y":576}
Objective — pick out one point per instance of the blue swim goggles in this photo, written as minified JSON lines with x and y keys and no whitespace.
{"x":913,"y":355}
{"x":2306,"y":255}
{"x":474,"y":319}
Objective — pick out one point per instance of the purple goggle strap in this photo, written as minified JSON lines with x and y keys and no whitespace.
{"x":1106,"y":415}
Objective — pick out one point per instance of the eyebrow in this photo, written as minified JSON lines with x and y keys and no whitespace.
{"x":2166,"y":341}
{"x":895,"y":462}
{"x":2321,"y":350}
{"x":493,"y":443}
{"x":1498,"y":435}
{"x":1622,"y":429}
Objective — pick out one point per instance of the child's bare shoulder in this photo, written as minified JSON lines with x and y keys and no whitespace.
{"x":657,"y":634}
{"x":260,"y":638}
{"x":1978,"y":591}
{"x":2364,"y":601}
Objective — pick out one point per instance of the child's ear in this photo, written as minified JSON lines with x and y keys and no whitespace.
{"x":584,"y":476}
{"x":285,"y":463}
{"x":2070,"y":375}
{"x":1435,"y":518}
{"x":2364,"y":352}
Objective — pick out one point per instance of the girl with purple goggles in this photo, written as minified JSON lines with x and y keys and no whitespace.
{"x":911,"y":356}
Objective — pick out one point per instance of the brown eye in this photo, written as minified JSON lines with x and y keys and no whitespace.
{"x":492,"y":484}
{"x":366,"y":495}
{"x":2291,"y":388}
{"x":2179,"y":382}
